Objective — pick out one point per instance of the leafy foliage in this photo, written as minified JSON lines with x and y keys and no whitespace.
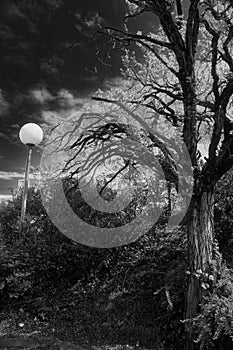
{"x":136,"y":290}
{"x":39,"y":258}
{"x":214,"y":323}
{"x":224,"y":216}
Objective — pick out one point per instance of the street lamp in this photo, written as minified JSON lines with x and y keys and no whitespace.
{"x":30,"y":135}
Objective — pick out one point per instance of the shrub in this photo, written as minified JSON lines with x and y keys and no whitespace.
{"x":39,"y":258}
{"x":214,"y":324}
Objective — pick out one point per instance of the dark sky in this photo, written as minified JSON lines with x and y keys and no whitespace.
{"x":39,"y":77}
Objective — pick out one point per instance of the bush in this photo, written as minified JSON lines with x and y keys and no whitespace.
{"x":214,"y":324}
{"x":139,"y":288}
{"x":142,"y":284}
{"x":39,"y":258}
{"x":224,"y":217}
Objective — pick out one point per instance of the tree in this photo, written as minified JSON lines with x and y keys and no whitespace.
{"x":186,"y":77}
{"x":201,"y":41}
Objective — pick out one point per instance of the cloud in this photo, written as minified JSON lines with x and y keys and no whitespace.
{"x":9,"y":175}
{"x":4,"y":105}
{"x":94,"y":79}
{"x":66,"y":99}
{"x":52,"y":117}
{"x":42,"y":95}
{"x":11,"y":136}
{"x":87,"y":23}
{"x":56,"y":107}
{"x":13,"y":11}
{"x":116,"y":83}
{"x":62,"y":99}
{"x":119,"y":7}
{"x":5,"y":197}
{"x":4,"y":136}
{"x":15,"y":126}
{"x":23,"y":32}
{"x":93,"y":20}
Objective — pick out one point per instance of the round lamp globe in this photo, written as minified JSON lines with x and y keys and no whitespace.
{"x":31,"y":134}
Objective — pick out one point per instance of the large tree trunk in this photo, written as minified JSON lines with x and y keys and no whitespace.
{"x":200,"y":242}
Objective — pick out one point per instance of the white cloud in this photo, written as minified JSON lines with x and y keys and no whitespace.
{"x":5,"y":197}
{"x":42,"y":95}
{"x":56,"y":107}
{"x":87,"y":23}
{"x":9,"y":175}
{"x":64,"y":105}
{"x":63,"y":99}
{"x":52,"y":117}
{"x":116,"y":83}
{"x":15,"y":126}
{"x":66,"y":99}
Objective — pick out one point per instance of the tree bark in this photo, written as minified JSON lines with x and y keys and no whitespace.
{"x":200,"y":227}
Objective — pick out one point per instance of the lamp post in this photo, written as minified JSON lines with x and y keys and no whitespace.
{"x":30,"y":135}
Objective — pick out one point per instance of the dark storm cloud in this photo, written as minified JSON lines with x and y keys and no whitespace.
{"x":21,"y":27}
{"x":34,"y":34}
{"x":36,"y":39}
{"x":4,"y":105}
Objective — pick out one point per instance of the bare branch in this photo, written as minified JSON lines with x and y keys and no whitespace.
{"x":114,"y":176}
{"x":139,"y":37}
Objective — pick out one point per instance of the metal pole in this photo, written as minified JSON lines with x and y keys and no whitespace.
{"x":25,"y":190}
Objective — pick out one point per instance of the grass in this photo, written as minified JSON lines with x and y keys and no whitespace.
{"x":73,"y":320}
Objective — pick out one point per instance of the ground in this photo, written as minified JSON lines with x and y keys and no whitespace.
{"x":64,"y":322}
